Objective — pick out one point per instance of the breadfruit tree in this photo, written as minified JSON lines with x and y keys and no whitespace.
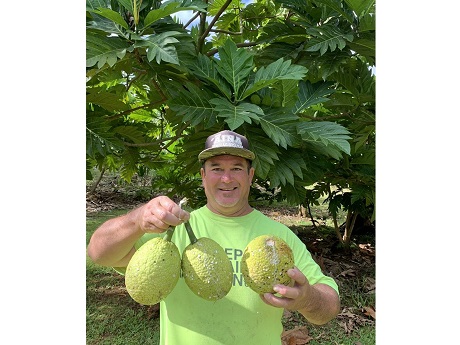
{"x":295,"y":77}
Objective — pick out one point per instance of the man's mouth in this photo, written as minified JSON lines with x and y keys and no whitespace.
{"x":227,"y":189}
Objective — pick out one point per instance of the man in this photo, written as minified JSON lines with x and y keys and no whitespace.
{"x":242,"y":317}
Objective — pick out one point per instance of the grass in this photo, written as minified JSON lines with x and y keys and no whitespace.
{"x":113,"y":318}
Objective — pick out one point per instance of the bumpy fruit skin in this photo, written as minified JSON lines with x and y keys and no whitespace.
{"x":265,"y":262}
{"x":153,"y":271}
{"x":207,"y":270}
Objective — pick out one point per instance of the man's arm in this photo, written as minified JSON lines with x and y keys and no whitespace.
{"x":112,"y":244}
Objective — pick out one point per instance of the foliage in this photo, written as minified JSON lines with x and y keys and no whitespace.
{"x":295,"y":77}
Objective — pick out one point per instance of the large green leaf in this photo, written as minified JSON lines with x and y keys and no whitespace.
{"x":169,"y":7}
{"x":95,"y":4}
{"x":330,"y":63}
{"x":107,"y":100}
{"x":205,"y":69}
{"x":234,"y":65}
{"x":367,"y":23}
{"x":289,"y":163}
{"x":338,"y":7}
{"x":133,"y":133}
{"x":361,"y":7}
{"x":160,"y":47}
{"x":100,"y":139}
{"x":236,"y":115}
{"x":193,"y":104}
{"x":113,"y":16}
{"x":101,"y":49}
{"x":285,"y":93}
{"x":128,"y":4}
{"x":364,"y":46}
{"x":327,"y":37}
{"x":281,"y":126}
{"x":329,"y":138}
{"x":310,"y":94}
{"x":278,"y":70}
{"x":265,"y":150}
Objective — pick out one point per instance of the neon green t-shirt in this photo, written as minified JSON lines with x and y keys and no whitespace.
{"x":240,"y":318}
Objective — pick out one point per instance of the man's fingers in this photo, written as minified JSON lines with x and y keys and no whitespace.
{"x":297,"y":275}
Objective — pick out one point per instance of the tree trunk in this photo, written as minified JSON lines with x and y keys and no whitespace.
{"x":95,"y":184}
{"x":349,"y":225}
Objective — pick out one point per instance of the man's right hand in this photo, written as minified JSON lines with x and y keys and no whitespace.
{"x":159,"y":214}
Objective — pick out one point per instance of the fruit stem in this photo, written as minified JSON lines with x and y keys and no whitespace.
{"x":169,"y":234}
{"x":190,"y":233}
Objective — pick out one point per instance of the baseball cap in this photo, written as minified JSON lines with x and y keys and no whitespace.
{"x":226,"y":143}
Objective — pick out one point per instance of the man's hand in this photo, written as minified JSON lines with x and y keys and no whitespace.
{"x":292,"y":298}
{"x":318,"y":303}
{"x":159,"y":214}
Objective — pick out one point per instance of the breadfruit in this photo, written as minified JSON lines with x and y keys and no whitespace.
{"x":206,"y":268}
{"x":265,"y":262}
{"x":153,"y":271}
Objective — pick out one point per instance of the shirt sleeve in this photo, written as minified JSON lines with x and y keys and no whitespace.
{"x":305,"y":263}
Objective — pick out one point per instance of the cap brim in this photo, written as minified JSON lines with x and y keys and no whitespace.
{"x":233,"y":151}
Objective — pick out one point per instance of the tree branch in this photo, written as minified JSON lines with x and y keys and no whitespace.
{"x":239,"y":45}
{"x":215,"y":19}
{"x":227,"y":32}
{"x":118,"y":115}
{"x":199,"y":44}
{"x":195,"y":16}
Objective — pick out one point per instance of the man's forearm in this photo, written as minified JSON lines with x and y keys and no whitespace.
{"x":323,"y":307}
{"x":112,"y":244}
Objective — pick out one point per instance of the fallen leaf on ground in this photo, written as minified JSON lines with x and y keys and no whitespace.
{"x":351,"y":321}
{"x":350,"y":272}
{"x":369,"y":311}
{"x":296,"y":336}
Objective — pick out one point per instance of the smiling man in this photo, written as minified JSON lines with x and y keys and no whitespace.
{"x":241,"y":317}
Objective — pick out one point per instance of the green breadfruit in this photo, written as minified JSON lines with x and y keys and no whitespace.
{"x":153,"y":271}
{"x":206,"y":268}
{"x":265,"y":262}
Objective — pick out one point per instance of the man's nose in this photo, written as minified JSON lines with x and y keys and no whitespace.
{"x":226,"y":176}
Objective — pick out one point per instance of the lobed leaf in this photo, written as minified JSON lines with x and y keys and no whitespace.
{"x":160,"y":47}
{"x":192,"y":103}
{"x":234,"y":65}
{"x":310,"y":94}
{"x":283,"y":172}
{"x":236,"y":115}
{"x":327,"y":137}
{"x":327,"y":37}
{"x":205,"y":69}
{"x":281,"y":126}
{"x":101,"y":49}
{"x":265,"y":150}
{"x":278,"y":70}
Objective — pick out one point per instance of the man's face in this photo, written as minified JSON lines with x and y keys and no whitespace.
{"x":226,"y":181}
